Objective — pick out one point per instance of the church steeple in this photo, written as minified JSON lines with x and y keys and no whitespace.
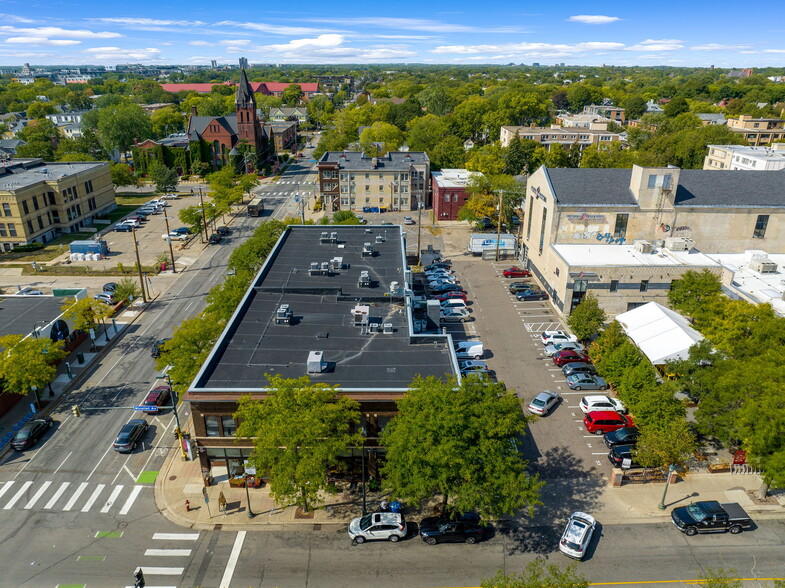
{"x":244,"y":97}
{"x":248,"y":128}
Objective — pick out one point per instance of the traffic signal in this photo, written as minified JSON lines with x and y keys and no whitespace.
{"x":138,"y":578}
{"x":75,"y":410}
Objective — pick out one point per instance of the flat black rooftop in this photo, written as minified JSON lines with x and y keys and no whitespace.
{"x":357,"y":359}
{"x":18,"y":314}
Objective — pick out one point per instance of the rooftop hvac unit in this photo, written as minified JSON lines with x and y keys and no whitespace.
{"x":283,"y":316}
{"x":763,"y":265}
{"x":316,"y":363}
{"x":388,"y":329}
{"x":324,"y":237}
{"x":336,"y":263}
{"x":643,"y":246}
{"x":678,"y":243}
{"x":334,"y":237}
{"x":367,"y":250}
{"x":313,"y":269}
{"x":364,"y":280}
{"x":394,"y":287}
{"x":360,"y":314}
{"x":380,"y":238}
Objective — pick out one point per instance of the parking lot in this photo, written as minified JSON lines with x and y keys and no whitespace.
{"x":510,"y":331}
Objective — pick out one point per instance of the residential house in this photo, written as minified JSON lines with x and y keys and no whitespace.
{"x":283,"y":113}
{"x":758,"y":131}
{"x":614,"y":113}
{"x":555,"y":134}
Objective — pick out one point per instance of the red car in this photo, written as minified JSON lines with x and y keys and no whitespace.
{"x":569,"y":356}
{"x":516,"y":272}
{"x":449,"y":296}
{"x":606,"y":421}
{"x":157,"y":397}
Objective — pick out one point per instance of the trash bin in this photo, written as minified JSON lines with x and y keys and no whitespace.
{"x":80,"y":357}
{"x":163,"y":266}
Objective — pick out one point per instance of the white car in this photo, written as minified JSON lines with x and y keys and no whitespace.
{"x":170,"y":197}
{"x":468,"y":349}
{"x":577,"y":535}
{"x":452,"y":303}
{"x":134,"y":223}
{"x":549,"y":337}
{"x":544,"y":402}
{"x":601,"y":402}
{"x":175,"y":237}
{"x":389,"y":526}
{"x":552,"y":348}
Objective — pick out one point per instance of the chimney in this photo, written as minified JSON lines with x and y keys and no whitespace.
{"x":193,"y":110}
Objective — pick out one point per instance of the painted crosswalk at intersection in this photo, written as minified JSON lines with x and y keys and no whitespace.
{"x":66,"y":496}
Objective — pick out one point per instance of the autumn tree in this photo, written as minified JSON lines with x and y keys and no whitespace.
{"x":458,"y":442}
{"x":299,"y":431}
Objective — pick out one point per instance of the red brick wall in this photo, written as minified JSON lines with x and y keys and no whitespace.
{"x":448,"y":210}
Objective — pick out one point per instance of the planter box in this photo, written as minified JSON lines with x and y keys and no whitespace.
{"x":719,"y":468}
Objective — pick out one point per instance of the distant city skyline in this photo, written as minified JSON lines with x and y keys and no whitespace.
{"x":195,"y":33}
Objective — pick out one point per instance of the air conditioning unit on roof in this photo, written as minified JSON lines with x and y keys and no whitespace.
{"x":763,"y":265}
{"x":643,"y":246}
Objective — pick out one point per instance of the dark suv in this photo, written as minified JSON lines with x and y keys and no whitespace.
{"x":450,"y":528}
{"x":157,"y":348}
{"x":618,"y":454}
{"x":623,"y":436}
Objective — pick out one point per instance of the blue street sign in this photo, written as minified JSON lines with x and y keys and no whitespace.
{"x":147,"y":408}
{"x":296,"y":197}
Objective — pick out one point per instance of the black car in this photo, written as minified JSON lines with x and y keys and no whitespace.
{"x":619,"y":453}
{"x":182,"y":231}
{"x":110,"y":287}
{"x":447,"y":288}
{"x":578,"y":367}
{"x":519,"y":286}
{"x":156,"y":351}
{"x":130,"y":435}
{"x":223,"y":231}
{"x":531,"y":295}
{"x":123,"y":228}
{"x":623,"y":436}
{"x":464,"y":528}
{"x":485,"y":224}
{"x":214,"y":239}
{"x":437,"y":265}
{"x":30,"y":433}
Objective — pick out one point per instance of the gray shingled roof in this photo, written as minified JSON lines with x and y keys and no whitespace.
{"x":197,"y":124}
{"x":357,"y":160}
{"x":723,"y":188}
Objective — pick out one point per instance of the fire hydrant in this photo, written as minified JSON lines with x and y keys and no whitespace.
{"x":187,"y":506}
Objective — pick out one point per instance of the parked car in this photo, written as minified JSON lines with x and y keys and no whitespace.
{"x":516,"y":287}
{"x":170,"y":197}
{"x":438,"y":265}
{"x":623,"y":436}
{"x":516,"y":272}
{"x":440,"y":282}
{"x":484,"y":224}
{"x":578,"y":367}
{"x":452,"y":303}
{"x":214,"y":239}
{"x":139,"y":217}
{"x":175,"y":236}
{"x":554,"y":347}
{"x":710,"y":516}
{"x":30,"y":433}
{"x":223,"y":231}
{"x":605,"y":421}
{"x":468,"y":349}
{"x":29,"y":291}
{"x":439,"y":272}
{"x":110,"y":286}
{"x":601,"y":402}
{"x":548,"y":337}
{"x":157,"y":348}
{"x":129,"y":436}
{"x":407,"y":220}
{"x":618,"y":454}
{"x":182,"y":231}
{"x":544,"y":402}
{"x":447,"y":288}
{"x":448,"y":528}
{"x":106,"y":297}
{"x":123,"y":228}
{"x":586,"y":382}
{"x":472,"y":365}
{"x":389,"y":526}
{"x":455,"y":295}
{"x":577,"y":535}
{"x":156,"y":398}
{"x":525,"y":295}
{"x":148,"y":210}
{"x":566,"y":356}
{"x":454,"y":315}
{"x":133,"y":222}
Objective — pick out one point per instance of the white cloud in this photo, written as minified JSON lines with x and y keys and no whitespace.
{"x":530,"y":49}
{"x":57,"y":32}
{"x":201,"y":43}
{"x":41,"y":41}
{"x":329,"y":40}
{"x":272,"y":29}
{"x":15,"y":18}
{"x":593,"y":19}
{"x":150,"y":22}
{"x":657,"y":45}
{"x":414,"y":24}
{"x":773,"y":51}
{"x":118,"y":54}
{"x":718,"y":47}
{"x":235,"y":42}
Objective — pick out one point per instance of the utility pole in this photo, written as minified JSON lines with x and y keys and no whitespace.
{"x":419,"y":223}
{"x":204,"y":220}
{"x":139,"y":265}
{"x":499,"y":224}
{"x":169,"y":240}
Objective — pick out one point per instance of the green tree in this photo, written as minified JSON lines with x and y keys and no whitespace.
{"x":127,"y":289}
{"x":298,"y":431}
{"x":435,"y":100}
{"x":693,"y":290}
{"x":676,"y":106}
{"x":345,"y":217}
{"x":122,"y":175}
{"x":665,"y":443}
{"x":488,"y":159}
{"x":292,"y":95}
{"x":537,"y":574}
{"x":27,"y":363}
{"x":448,"y":153}
{"x":425,"y":132}
{"x":611,"y":338}
{"x":120,"y":124}
{"x":166,"y":121}
{"x":86,"y":313}
{"x":40,"y":110}
{"x":165,"y":179}
{"x":634,"y":107}
{"x":587,"y":318}
{"x":611,"y":155}
{"x":381,"y":132}
{"x":618,"y":362}
{"x":189,"y":347}
{"x":431,"y":451}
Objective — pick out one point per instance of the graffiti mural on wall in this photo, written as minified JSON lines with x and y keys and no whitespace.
{"x":606,"y":238}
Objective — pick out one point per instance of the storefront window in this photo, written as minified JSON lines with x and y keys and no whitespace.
{"x":211,"y":426}
{"x":229,"y":426}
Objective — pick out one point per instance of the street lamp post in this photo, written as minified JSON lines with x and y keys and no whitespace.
{"x":362,"y":450}
{"x":139,"y":265}
{"x":204,"y":220}
{"x":169,"y":240}
{"x":251,"y":514}
{"x":499,"y":224}
{"x":36,"y":332}
{"x":419,"y":223}
{"x":177,"y":431}
{"x":671,"y":469}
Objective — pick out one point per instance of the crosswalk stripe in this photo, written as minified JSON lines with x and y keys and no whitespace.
{"x":112,"y":497}
{"x":6,"y":487}
{"x":38,"y":495}
{"x":130,"y":501}
{"x":148,"y":571}
{"x":176,"y":536}
{"x":168,"y":552}
{"x":57,"y":495}
{"x":17,"y":496}
{"x":70,"y":504}
{"x":89,"y":504}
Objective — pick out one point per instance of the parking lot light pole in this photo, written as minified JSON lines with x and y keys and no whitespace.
{"x":671,"y":469}
{"x":499,"y":227}
{"x":139,"y":265}
{"x":169,"y":240}
{"x":204,"y":219}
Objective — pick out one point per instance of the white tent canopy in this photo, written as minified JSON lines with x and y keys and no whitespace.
{"x":660,"y":333}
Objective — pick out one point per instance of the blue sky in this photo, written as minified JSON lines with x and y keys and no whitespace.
{"x":686,"y":33}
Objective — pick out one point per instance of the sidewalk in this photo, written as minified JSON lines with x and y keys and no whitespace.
{"x":181,"y":480}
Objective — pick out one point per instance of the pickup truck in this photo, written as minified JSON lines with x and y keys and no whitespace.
{"x":709,"y":516}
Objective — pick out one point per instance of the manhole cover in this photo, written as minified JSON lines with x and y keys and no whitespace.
{"x":171,"y":478}
{"x":122,"y":525}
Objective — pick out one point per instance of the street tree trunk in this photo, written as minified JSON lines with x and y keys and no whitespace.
{"x":763,"y":491}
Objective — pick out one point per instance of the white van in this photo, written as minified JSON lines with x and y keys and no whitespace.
{"x":453,"y":303}
{"x":468,"y":349}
